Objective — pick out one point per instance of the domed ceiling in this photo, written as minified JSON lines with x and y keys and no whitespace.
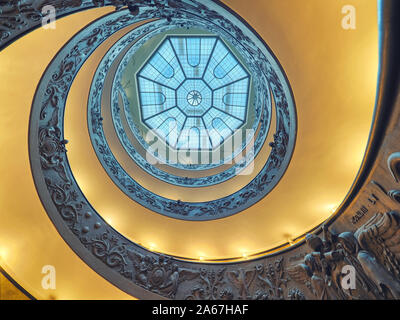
{"x":204,"y":131}
{"x":193,"y":92}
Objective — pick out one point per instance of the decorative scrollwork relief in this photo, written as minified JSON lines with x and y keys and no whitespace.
{"x":18,"y":16}
{"x":372,"y":250}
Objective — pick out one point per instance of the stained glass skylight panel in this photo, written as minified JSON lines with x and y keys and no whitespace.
{"x":196,"y":86}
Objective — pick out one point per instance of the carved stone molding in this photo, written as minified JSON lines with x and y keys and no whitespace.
{"x":371,"y":250}
{"x":20,"y":16}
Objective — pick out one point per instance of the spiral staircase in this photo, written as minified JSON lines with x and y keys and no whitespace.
{"x":199,"y":149}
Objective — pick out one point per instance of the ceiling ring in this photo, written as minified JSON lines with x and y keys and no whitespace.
{"x":95,"y":108}
{"x":261,"y":102}
{"x":261,"y":86}
{"x":112,"y":255}
{"x":239,"y":201}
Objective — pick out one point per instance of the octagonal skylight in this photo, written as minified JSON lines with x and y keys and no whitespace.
{"x":193,"y":92}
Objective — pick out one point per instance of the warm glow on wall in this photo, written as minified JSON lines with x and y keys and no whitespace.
{"x":3,"y":254}
{"x":152,"y":246}
{"x":332,"y":208}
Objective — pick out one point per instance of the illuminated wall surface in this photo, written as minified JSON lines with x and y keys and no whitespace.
{"x":333,"y":75}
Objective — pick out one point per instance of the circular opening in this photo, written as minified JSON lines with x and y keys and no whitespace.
{"x":194,"y":98}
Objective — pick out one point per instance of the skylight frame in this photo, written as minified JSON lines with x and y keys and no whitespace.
{"x":235,"y":115}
